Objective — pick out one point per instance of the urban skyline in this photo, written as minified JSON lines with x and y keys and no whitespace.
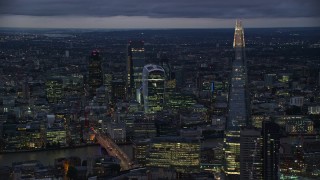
{"x":184,"y":98}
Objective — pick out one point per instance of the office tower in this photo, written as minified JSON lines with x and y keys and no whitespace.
{"x":164,"y":62}
{"x":166,"y":124}
{"x":102,"y":96}
{"x":135,"y":64}
{"x":153,"y":88}
{"x":170,"y":82}
{"x":250,"y":154}
{"x":54,"y":90}
{"x":270,"y":150}
{"x":179,"y":101}
{"x":237,"y":115}
{"x":95,"y":72}
{"x":118,"y":90}
{"x":56,"y":135}
{"x":232,"y":154}
{"x":140,"y":149}
{"x":107,"y":79}
{"x":144,"y":127}
{"x":180,"y":154}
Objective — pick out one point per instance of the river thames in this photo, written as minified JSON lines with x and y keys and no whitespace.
{"x":48,"y":157}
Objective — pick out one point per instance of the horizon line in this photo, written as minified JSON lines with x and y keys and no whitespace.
{"x":149,"y":28}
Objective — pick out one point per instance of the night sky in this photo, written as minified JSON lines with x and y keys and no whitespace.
{"x":158,"y":14}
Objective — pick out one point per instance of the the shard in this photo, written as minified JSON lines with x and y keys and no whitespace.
{"x":237,"y":110}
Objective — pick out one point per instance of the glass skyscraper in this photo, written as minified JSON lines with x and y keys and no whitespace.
{"x":135,"y":64}
{"x":237,"y":114}
{"x":95,"y":79}
{"x":270,"y":149}
{"x":153,"y":89}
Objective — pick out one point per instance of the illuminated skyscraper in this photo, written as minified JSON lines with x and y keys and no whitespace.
{"x":250,"y":150}
{"x":95,"y":79}
{"x":153,"y":88}
{"x":237,"y":115}
{"x":170,"y":82}
{"x":171,"y":152}
{"x":238,"y":41}
{"x":135,"y":64}
{"x":140,"y":148}
{"x":270,"y":149}
{"x":118,"y":90}
{"x":54,"y":90}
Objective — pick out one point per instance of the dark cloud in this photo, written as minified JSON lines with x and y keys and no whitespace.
{"x":164,"y":8}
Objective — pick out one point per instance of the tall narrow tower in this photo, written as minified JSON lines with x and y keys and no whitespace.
{"x":237,"y":114}
{"x":95,"y":72}
{"x":135,"y":64}
{"x":270,"y":149}
{"x":250,"y":150}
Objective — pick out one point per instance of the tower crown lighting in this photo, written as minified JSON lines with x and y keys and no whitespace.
{"x":238,"y":40}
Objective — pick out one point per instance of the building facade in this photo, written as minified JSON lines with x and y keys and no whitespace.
{"x":181,"y":154}
{"x":153,"y":88}
{"x":270,"y":149}
{"x":54,"y":88}
{"x":250,"y":154}
{"x":237,"y":112}
{"x":95,"y":79}
{"x":135,"y":64}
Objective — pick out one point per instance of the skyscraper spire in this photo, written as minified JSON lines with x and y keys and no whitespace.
{"x":238,"y":40}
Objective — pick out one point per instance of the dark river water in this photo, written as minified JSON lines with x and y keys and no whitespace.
{"x":47,"y":157}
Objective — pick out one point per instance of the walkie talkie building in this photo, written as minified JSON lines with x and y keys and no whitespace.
{"x":153,"y":78}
